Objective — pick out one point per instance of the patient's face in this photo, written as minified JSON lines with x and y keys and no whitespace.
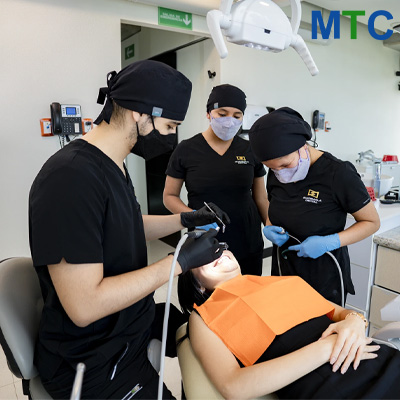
{"x":222,"y":269}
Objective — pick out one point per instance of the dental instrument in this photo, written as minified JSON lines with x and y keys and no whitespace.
{"x":328,"y":252}
{"x":216,"y":216}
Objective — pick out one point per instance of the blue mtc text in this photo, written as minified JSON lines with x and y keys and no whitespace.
{"x":334,"y":20}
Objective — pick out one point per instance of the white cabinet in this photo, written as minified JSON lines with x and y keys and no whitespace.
{"x":363,"y":258}
{"x":386,"y":284}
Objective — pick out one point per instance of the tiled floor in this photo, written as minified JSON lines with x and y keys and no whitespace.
{"x":11,"y":388}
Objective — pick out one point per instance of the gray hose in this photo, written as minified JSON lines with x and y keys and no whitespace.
{"x":166,"y":316}
{"x":329,"y":253}
{"x":77,"y":386}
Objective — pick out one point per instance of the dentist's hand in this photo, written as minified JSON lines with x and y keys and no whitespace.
{"x":276,"y":235}
{"x":204,"y":216}
{"x":315,"y":246}
{"x":197,"y":252}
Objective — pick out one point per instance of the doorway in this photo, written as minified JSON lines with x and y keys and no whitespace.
{"x":140,"y":43}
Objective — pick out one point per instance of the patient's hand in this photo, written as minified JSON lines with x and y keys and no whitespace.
{"x":350,"y":346}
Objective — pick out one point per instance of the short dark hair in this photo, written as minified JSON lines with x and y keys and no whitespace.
{"x":189,"y":292}
{"x":118,"y":114}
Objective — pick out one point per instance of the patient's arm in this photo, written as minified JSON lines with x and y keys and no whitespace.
{"x":351,"y":340}
{"x":259,"y":379}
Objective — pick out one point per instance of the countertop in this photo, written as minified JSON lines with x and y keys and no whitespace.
{"x":388,"y":234}
{"x":390,"y":239}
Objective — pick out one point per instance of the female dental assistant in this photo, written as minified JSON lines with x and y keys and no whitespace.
{"x":310,"y":193}
{"x":218,"y":166}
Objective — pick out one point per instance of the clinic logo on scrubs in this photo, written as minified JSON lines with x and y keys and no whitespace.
{"x":312,"y":197}
{"x":241,"y":160}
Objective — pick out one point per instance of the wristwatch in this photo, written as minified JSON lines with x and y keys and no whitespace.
{"x":358,"y":315}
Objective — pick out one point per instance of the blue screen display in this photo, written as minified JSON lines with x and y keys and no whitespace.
{"x":70,"y":110}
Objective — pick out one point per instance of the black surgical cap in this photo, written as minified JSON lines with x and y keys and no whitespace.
{"x":226,"y":96}
{"x":148,"y":87}
{"x":278,"y":134}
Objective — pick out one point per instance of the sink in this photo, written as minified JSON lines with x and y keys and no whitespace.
{"x":386,"y":182}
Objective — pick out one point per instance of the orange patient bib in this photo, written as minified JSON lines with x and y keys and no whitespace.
{"x":247,"y":312}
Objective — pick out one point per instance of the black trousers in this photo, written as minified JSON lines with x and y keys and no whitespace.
{"x":133,"y":370}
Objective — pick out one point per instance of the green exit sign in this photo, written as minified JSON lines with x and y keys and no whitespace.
{"x":174,"y":18}
{"x":129,"y":51}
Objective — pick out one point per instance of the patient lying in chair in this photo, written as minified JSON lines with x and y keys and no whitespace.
{"x":258,"y":335}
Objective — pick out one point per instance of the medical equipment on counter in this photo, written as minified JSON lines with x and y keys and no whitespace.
{"x":391,"y":197}
{"x":390,"y":159}
{"x":328,"y":252}
{"x":258,"y":24}
{"x":377,"y":178}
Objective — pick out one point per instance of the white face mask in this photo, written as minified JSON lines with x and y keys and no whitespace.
{"x":225,"y":127}
{"x":294,"y":174}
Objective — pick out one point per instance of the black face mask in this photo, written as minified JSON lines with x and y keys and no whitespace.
{"x":153,"y":144}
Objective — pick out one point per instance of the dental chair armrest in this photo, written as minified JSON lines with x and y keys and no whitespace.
{"x":390,"y":331}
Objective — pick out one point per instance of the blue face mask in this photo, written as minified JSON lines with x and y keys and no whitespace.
{"x":294,"y":174}
{"x":225,"y":127}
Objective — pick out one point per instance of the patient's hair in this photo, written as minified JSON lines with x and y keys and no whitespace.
{"x":189,"y":292}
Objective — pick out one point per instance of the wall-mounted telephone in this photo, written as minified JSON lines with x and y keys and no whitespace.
{"x":66,"y":119}
{"x":318,"y":120}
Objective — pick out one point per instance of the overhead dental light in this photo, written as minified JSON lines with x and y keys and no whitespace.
{"x":259,"y":24}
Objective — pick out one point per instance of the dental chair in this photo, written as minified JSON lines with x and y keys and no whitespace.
{"x":196,"y":384}
{"x":21,"y":306}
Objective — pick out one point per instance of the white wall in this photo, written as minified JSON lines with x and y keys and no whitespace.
{"x":357,"y":89}
{"x":61,"y":51}
{"x":51,"y":51}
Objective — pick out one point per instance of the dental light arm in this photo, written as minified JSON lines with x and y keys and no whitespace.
{"x":259,"y":24}
{"x":302,"y":50}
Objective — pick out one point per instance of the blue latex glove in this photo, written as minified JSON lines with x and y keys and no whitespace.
{"x":276,"y":234}
{"x":315,"y":246}
{"x":214,"y":225}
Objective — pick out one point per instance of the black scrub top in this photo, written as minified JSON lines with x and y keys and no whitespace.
{"x":317,"y":205}
{"x":226,"y":181}
{"x":82,"y":208}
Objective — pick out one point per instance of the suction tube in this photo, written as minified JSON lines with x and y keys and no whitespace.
{"x":330,"y":254}
{"x":166,"y":316}
{"x":195,"y":234}
{"x":300,"y":46}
